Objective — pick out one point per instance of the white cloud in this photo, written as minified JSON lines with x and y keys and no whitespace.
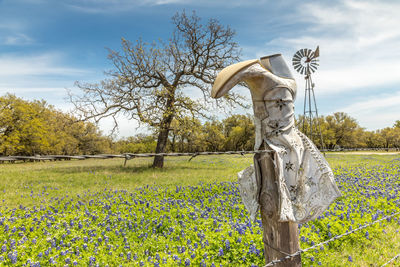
{"x":359,"y":43}
{"x":381,"y":111}
{"x":34,"y":65}
{"x":31,"y":90}
{"x":126,"y":126}
{"x":16,"y":39}
{"x":38,"y":76}
{"x":113,"y":6}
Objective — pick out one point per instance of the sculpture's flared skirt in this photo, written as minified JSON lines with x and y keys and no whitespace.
{"x":305,"y":182}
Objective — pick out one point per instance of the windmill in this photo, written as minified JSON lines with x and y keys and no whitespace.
{"x":305,"y":61}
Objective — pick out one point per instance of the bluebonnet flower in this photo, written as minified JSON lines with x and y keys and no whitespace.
{"x":92,"y":260}
{"x":220,"y":252}
{"x":227,"y":244}
{"x":187,"y":262}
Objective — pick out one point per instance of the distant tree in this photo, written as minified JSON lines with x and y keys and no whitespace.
{"x":328,"y":134}
{"x":186,"y":135}
{"x":239,"y":132}
{"x":396,"y":137}
{"x":390,"y":137}
{"x":34,"y":127}
{"x":214,"y":138}
{"x":149,"y":81}
{"x":22,"y":126}
{"x":343,"y":127}
{"x":139,"y":143}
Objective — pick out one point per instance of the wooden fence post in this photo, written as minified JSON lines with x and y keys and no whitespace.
{"x":280,"y":238}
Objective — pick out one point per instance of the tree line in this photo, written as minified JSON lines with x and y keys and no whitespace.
{"x":236,"y":132}
{"x":35,"y":127}
{"x":340,"y":130}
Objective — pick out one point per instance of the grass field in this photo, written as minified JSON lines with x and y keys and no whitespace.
{"x":189,"y":213}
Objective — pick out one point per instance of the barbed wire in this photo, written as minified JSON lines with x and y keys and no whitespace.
{"x":393,"y":259}
{"x":128,"y":156}
{"x":274,"y":262}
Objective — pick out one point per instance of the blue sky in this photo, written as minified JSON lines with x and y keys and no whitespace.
{"x":47,"y":45}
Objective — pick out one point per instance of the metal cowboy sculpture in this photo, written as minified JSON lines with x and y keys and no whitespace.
{"x":293,"y":183}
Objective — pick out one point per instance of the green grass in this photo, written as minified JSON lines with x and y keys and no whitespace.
{"x":19,"y":179}
{"x":22,"y":183}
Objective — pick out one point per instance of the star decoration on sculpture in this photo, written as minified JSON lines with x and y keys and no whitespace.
{"x":289,"y":166}
{"x":276,"y":132}
{"x":280,"y":103}
{"x":274,"y":124}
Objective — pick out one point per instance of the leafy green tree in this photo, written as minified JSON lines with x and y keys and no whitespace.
{"x":239,"y":132}
{"x":214,"y":138}
{"x":186,"y":135}
{"x":140,"y":143}
{"x":343,"y":127}
{"x":34,"y":127}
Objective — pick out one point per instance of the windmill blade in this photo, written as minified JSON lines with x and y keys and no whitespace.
{"x":298,"y":67}
{"x":313,"y":68}
{"x":295,"y":62}
{"x":314,"y":64}
{"x":308,"y":53}
{"x":295,"y":59}
{"x":315,"y":60}
{"x":297,"y":56}
{"x":301,"y":53}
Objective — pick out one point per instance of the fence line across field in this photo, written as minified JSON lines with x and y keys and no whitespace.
{"x":128,"y":156}
{"x":274,"y":262}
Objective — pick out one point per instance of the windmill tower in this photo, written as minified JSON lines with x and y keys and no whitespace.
{"x":305,"y":62}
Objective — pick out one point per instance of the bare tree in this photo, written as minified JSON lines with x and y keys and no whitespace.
{"x":149,"y":81}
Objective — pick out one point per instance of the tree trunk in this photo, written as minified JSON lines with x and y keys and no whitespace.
{"x":160,"y":148}
{"x":165,"y":126}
